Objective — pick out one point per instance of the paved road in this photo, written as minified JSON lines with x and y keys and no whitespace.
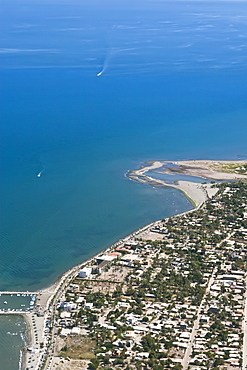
{"x":245,"y":330}
{"x":36,"y":330}
{"x":186,"y":359}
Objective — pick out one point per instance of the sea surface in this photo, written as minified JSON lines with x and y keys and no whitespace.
{"x":16,"y":302}
{"x":13,"y":336}
{"x":90,"y":90}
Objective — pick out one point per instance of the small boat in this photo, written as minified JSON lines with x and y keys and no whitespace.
{"x":5,"y":302}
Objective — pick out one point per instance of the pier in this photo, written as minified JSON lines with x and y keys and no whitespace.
{"x":21,"y":293}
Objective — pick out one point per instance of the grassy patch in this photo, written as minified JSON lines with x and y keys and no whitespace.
{"x":78,"y":347}
{"x":239,"y":168}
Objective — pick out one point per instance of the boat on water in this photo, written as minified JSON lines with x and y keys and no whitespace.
{"x":39,"y":174}
{"x":5,"y":302}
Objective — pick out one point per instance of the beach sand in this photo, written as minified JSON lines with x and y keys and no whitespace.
{"x":210,"y":169}
{"x":205,"y":169}
{"x":198,"y":193}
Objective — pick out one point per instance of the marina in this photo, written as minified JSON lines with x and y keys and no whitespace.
{"x":14,"y":302}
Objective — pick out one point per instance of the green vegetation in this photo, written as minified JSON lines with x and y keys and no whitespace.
{"x":196,"y":269}
{"x":238,"y":168}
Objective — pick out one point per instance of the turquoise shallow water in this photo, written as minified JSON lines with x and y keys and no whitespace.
{"x":172,"y":178}
{"x":173,"y":87}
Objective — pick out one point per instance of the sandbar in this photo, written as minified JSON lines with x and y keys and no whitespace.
{"x":197,"y":192}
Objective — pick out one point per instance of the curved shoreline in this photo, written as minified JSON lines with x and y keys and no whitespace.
{"x":195,"y":192}
{"x":50,"y":293}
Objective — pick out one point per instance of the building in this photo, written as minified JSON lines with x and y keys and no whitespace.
{"x":85,"y":272}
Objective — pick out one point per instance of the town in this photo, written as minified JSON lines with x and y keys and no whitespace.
{"x":170,"y":296}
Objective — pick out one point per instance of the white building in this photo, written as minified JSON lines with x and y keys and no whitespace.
{"x":85,"y":272}
{"x":65,"y":332}
{"x":75,"y":330}
{"x":68,"y":306}
{"x":88,"y":305}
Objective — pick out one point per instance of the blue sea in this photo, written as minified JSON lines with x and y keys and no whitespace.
{"x":90,"y":90}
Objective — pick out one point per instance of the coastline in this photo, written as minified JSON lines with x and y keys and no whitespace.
{"x":195,"y":192}
{"x":48,"y":294}
{"x":150,"y":252}
{"x":23,"y":363}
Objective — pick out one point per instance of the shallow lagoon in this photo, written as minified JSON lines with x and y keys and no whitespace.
{"x":174,"y":177}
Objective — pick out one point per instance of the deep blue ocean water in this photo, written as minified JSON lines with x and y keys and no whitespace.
{"x":173,"y":86}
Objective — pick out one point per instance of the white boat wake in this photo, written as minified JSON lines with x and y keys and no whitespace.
{"x":40,"y":173}
{"x":110,"y":53}
{"x":105,"y":64}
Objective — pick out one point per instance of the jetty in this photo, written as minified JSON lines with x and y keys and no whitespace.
{"x":16,"y":293}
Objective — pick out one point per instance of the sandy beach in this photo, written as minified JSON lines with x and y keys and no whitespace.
{"x":212,"y":169}
{"x":41,"y":341}
{"x":198,"y":193}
